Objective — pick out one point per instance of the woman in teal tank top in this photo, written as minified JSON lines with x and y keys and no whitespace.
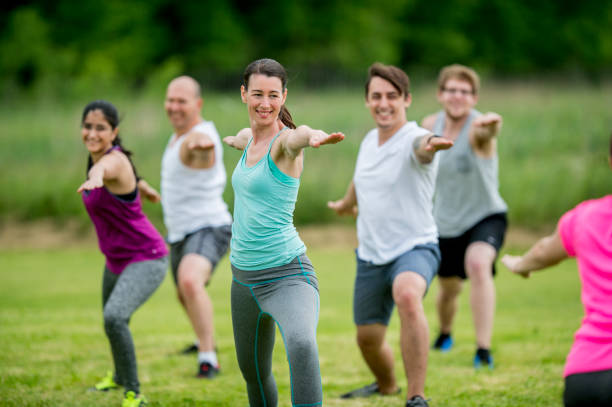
{"x":273,"y":280}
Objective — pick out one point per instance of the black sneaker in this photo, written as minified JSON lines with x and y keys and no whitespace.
{"x":482,"y":358}
{"x":207,"y":371}
{"x":193,"y":348}
{"x":443,"y":343}
{"x":417,"y":401}
{"x":366,"y":391}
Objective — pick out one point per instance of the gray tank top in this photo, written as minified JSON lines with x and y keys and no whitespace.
{"x":467,"y":187}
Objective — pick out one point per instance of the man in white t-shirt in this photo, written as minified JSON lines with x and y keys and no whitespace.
{"x":197,"y":219}
{"x":398,"y":254}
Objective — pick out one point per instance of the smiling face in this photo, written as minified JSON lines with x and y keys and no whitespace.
{"x":457,"y":97}
{"x":183,"y":104}
{"x":264,"y":98}
{"x":387,"y":105}
{"x":97,"y":133}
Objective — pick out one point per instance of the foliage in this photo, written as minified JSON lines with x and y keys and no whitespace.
{"x":66,"y":45}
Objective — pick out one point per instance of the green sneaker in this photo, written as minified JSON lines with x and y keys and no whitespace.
{"x":106,"y":384}
{"x":130,"y":400}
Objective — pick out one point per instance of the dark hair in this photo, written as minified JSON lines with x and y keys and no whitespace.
{"x":393,"y":74}
{"x":111,"y":115}
{"x":272,"y":68}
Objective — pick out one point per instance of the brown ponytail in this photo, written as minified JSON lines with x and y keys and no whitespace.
{"x":286,"y":118}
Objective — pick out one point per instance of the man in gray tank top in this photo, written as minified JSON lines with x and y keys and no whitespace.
{"x":468,"y":209}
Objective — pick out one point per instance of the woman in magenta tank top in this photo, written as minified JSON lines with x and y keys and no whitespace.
{"x":136,"y":254}
{"x":585,"y":233}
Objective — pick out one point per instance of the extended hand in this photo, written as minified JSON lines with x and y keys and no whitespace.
{"x":148,"y":191}
{"x":438,"y":143}
{"x":322,"y":138}
{"x":201,"y":145}
{"x":90,"y":184}
{"x":341,"y":208}
{"x":152,"y":196}
{"x":234,"y":141}
{"x":487,"y":124}
{"x":511,"y":262}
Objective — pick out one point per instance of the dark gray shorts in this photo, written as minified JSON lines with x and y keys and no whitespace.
{"x":373,"y":295}
{"x":209,"y":242}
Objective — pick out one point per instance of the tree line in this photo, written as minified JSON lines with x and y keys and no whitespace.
{"x":78,"y":43}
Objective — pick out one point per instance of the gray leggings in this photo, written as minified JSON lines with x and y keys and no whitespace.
{"x":288,"y":296}
{"x":122,"y":294}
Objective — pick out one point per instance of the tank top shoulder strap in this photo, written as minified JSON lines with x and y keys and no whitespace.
{"x":272,"y":142}
{"x":244,"y":152}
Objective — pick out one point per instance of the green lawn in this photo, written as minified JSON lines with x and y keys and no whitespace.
{"x":54,"y":347}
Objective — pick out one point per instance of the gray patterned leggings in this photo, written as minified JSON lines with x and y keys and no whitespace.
{"x":286,"y":296}
{"x":122,"y":294}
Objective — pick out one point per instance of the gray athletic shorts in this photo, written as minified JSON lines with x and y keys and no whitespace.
{"x":373,"y":296}
{"x":209,"y":242}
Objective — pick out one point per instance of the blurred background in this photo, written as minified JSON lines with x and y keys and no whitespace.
{"x":545,"y":66}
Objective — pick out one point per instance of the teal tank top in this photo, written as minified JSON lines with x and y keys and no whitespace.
{"x":263,"y":234}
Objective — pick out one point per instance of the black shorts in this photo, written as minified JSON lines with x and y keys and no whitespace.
{"x":490,"y":230}
{"x":593,"y":389}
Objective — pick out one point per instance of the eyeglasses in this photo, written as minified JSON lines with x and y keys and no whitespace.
{"x":453,"y":91}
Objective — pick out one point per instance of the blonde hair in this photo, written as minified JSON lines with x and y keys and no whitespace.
{"x":460,"y":72}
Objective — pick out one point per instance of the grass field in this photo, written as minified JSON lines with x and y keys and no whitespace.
{"x":54,"y":347}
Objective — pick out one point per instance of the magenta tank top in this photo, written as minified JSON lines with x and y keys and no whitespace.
{"x":125,"y":235}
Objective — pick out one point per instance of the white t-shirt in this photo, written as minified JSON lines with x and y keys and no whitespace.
{"x":193,"y":198}
{"x":394,"y":196}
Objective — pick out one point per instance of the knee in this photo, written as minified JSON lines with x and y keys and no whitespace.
{"x":409,"y":302}
{"x":479,"y":264}
{"x":113,"y":320}
{"x":368,"y":342}
{"x":188,"y":286}
{"x":478,"y":270}
{"x":302,"y":345}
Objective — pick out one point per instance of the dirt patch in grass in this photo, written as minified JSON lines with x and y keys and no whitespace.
{"x":48,"y":234}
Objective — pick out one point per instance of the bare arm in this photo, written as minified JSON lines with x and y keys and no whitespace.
{"x":425,"y":147}
{"x":304,"y":136}
{"x":148,"y":191}
{"x":108,"y":168}
{"x":240,"y":140}
{"x":546,"y":252}
{"x":197,"y":151}
{"x":348,"y":204}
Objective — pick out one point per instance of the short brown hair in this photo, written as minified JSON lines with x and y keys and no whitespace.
{"x":393,"y":74}
{"x":460,"y":72}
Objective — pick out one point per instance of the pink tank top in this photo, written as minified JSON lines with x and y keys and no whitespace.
{"x":586,"y":233}
{"x":125,"y":235}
